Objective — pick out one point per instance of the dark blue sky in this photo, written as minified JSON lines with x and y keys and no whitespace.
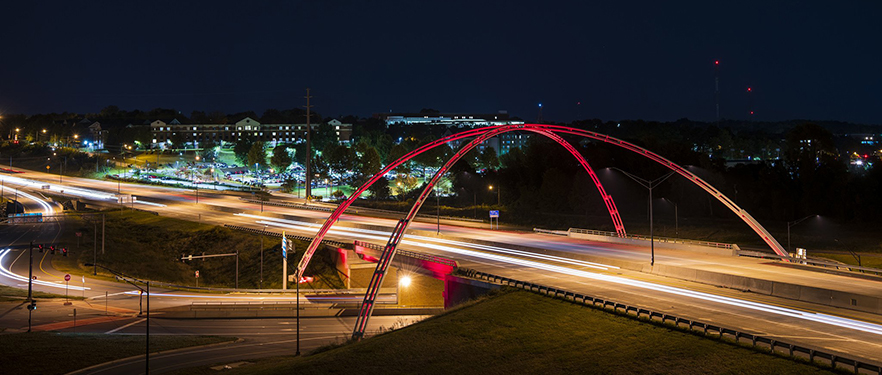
{"x":622,"y":60}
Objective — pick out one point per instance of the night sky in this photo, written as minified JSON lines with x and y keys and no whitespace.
{"x":622,"y":60}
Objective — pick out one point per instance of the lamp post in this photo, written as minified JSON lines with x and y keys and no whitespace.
{"x":438,"y":210}
{"x":132,"y":282}
{"x":649,"y":185}
{"x":498,"y":189}
{"x":261,"y":255}
{"x":791,"y":224}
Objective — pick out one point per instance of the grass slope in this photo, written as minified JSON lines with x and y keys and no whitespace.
{"x":521,"y":332}
{"x":60,"y":353}
{"x":148,"y":246}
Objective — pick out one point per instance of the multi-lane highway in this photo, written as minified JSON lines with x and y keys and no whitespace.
{"x":849,"y":332}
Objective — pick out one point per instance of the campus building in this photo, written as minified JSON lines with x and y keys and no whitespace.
{"x":459,"y":120}
{"x":164,"y":133}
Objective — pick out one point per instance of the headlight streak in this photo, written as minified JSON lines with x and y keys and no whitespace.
{"x":58,"y":188}
{"x":383,"y":236}
{"x":14,"y":276}
{"x":810,"y":316}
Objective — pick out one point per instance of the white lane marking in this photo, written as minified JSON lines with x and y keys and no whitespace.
{"x":125,"y":326}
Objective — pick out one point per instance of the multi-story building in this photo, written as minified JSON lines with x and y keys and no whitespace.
{"x":459,"y":120}
{"x":164,"y":133}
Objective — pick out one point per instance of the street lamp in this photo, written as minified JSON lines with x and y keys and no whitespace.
{"x":498,"y":193}
{"x":649,"y":185}
{"x":126,"y":279}
{"x":792,"y":223}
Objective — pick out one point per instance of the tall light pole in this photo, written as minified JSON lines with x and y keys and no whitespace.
{"x":261,"y":255}
{"x":649,"y":185}
{"x":308,"y":149}
{"x":792,"y":223}
{"x":132,"y":280}
{"x":498,"y":189}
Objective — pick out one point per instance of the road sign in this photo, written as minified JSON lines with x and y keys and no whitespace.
{"x":67,"y":277}
{"x":79,"y":234}
{"x":35,"y":277}
{"x":494,"y":213}
{"x":197,"y":274}
{"x":284,"y":246}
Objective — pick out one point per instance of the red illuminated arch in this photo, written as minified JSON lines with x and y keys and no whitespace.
{"x":751,"y":222}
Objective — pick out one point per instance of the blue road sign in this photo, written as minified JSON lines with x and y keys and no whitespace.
{"x":494,"y":213}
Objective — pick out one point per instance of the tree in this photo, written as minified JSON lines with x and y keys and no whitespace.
{"x":340,"y":158}
{"x":323,"y":136}
{"x":281,"y":158}
{"x":380,"y":189}
{"x":488,"y":158}
{"x":241,"y":149}
{"x":209,"y":151}
{"x":368,"y":164}
{"x":257,"y":155}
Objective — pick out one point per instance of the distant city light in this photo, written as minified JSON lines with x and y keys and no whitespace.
{"x":717,"y":62}
{"x":540,"y":105}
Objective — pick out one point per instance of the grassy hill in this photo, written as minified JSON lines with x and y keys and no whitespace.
{"x":525,"y":333}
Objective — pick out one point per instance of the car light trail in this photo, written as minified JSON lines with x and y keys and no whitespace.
{"x":757,"y":306}
{"x":382,"y":236}
{"x":59,"y":188}
{"x":5,"y":272}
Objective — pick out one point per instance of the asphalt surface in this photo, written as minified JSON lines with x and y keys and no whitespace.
{"x":850,"y":333}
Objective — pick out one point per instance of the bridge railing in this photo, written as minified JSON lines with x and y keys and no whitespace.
{"x":411,"y":254}
{"x":813,"y":262}
{"x":277,"y":234}
{"x":720,"y":245}
{"x":757,"y":341}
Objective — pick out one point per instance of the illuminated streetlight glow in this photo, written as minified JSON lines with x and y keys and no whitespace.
{"x":405,"y":281}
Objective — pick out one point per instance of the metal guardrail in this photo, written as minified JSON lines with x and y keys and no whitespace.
{"x":411,"y":254}
{"x":351,"y":209}
{"x":277,"y":234}
{"x":549,"y":231}
{"x":771,"y":344}
{"x":720,"y":245}
{"x":813,"y":262}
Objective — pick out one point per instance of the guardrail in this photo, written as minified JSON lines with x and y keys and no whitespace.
{"x":411,"y":254}
{"x":549,"y":231}
{"x":277,"y":234}
{"x":771,"y":344}
{"x":351,"y":209}
{"x":720,"y":245}
{"x":813,"y":262}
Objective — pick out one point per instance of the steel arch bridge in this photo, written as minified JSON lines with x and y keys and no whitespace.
{"x":480,"y":135}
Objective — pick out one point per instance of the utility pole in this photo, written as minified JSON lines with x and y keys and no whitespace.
{"x":308,"y":148}
{"x":103,"y":233}
{"x":95,"y":246}
{"x":31,"y":284}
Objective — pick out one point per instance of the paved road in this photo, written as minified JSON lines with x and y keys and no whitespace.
{"x":848,"y":332}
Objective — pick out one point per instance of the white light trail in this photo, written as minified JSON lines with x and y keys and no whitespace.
{"x":14,"y":276}
{"x":757,"y":306}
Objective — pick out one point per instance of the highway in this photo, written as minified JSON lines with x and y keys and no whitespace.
{"x":848,"y":332}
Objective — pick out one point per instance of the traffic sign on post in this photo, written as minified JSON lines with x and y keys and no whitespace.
{"x":494,"y":213}
{"x":197,"y":274}
{"x":67,"y":277}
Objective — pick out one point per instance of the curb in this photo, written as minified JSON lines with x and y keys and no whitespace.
{"x":87,"y":369}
